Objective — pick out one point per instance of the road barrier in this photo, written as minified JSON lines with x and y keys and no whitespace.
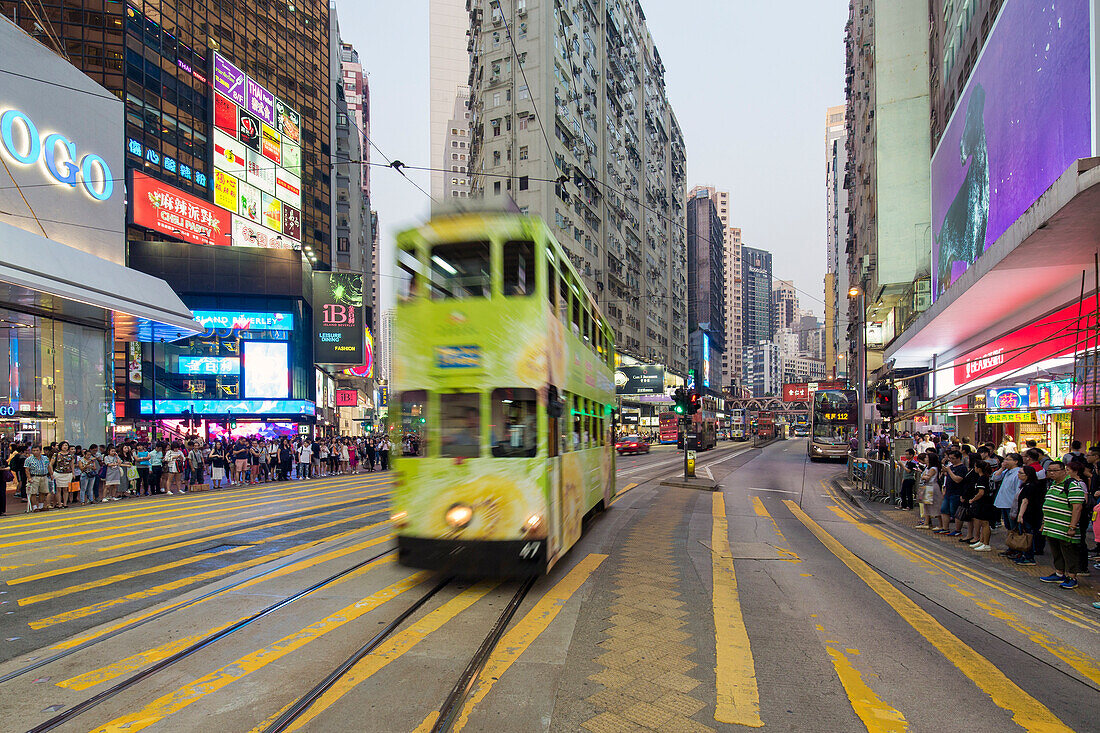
{"x":879,"y":480}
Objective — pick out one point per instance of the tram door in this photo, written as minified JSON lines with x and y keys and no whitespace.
{"x":553,"y":444}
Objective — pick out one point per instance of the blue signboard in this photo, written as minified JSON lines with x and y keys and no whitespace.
{"x":458,"y":357}
{"x":210,"y":365}
{"x":239,"y":408}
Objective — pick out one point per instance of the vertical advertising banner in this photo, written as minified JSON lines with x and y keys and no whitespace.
{"x":338,"y":318}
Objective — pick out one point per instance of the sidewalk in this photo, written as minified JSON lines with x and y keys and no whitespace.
{"x":1028,"y":575}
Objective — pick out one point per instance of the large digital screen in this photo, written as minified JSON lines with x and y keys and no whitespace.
{"x":266,"y":370}
{"x":218,"y":409}
{"x":219,"y":366}
{"x":257,"y":160}
{"x":338,"y":318}
{"x":644,"y":379}
{"x":1022,"y":119}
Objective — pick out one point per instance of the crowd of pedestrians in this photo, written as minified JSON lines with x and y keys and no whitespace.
{"x":61,"y":475}
{"x":1047,"y":506}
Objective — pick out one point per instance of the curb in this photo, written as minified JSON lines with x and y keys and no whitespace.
{"x":841,"y":485}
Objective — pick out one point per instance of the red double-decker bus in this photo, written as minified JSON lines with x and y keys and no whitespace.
{"x":668,"y":430}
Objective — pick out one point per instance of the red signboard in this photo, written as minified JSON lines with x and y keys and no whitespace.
{"x":176,"y":213}
{"x":801,"y":392}
{"x":347,"y":398}
{"x":1054,"y":335}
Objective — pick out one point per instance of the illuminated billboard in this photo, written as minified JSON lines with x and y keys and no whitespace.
{"x":642,"y":379}
{"x":338,"y":318}
{"x":1006,"y":398}
{"x":218,"y":366}
{"x":347,"y":398}
{"x":257,"y":160}
{"x":1023,"y":118}
{"x":266,"y":370}
{"x":170,"y":211}
{"x":245,"y":320}
{"x":212,"y":408}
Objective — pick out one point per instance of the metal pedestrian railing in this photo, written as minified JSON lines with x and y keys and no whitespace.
{"x":878,"y":480}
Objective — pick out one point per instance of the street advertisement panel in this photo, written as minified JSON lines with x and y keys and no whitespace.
{"x":245,"y":320}
{"x":300,"y":408}
{"x":338,"y":318}
{"x":801,"y":391}
{"x":266,"y":369}
{"x":257,"y":158}
{"x":216,"y":366}
{"x":169,"y":210}
{"x":1009,"y":417}
{"x":641,"y":379}
{"x":1004,"y":399}
{"x":706,"y":360}
{"x":1022,"y":119}
{"x":347,"y":398}
{"x":248,"y":233}
{"x":1051,"y":394}
{"x":366,"y":369}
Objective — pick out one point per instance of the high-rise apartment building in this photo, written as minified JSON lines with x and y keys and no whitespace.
{"x":837,"y":303}
{"x":449,"y":61}
{"x":571,"y":122}
{"x":357,"y":97}
{"x":351,"y":247}
{"x":887,"y":172}
{"x":785,"y":313}
{"x":732,"y":357}
{"x":957,"y":37}
{"x":763,"y":369}
{"x":706,"y":283}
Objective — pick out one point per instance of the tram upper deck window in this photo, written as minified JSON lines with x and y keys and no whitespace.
{"x":408,"y":266}
{"x":519,"y":268}
{"x":414,"y":423}
{"x":460,"y":270}
{"x":514,"y":427}
{"x":551,"y":282}
{"x":460,"y":424}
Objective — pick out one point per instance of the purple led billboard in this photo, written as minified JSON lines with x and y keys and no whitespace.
{"x":1023,"y":118}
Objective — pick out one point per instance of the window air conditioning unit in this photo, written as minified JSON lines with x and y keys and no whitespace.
{"x":498,"y":17}
{"x":521,"y":7}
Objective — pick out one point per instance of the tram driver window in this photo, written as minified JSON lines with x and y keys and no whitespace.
{"x":460,"y":270}
{"x":414,"y":423}
{"x":408,"y":266}
{"x":460,"y":425}
{"x":514,"y":429}
{"x":519,"y":268}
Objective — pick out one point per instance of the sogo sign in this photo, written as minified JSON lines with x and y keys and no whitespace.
{"x":22,"y":141}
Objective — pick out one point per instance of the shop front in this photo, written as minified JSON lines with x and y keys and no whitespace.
{"x":65,"y":292}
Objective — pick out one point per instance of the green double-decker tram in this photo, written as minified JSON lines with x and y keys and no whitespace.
{"x":502,"y":397}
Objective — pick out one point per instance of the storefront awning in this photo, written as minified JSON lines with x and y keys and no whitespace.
{"x":1032,"y":270}
{"x":51,"y":278}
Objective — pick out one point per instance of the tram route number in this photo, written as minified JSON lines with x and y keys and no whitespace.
{"x":529,"y":551}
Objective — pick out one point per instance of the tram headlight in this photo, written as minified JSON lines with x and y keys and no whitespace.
{"x":459,"y":515}
{"x":533,"y":527}
{"x":400,"y":519}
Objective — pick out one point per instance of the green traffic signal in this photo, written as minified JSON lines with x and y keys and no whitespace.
{"x":678,"y":409}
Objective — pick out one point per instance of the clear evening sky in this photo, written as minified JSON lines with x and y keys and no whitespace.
{"x":749,"y":83}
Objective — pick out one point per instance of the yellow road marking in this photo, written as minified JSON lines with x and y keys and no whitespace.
{"x":762,"y":511}
{"x":292,"y":568}
{"x":164,"y":548}
{"x":272,"y":718}
{"x":124,"y":515}
{"x":1027,"y":712}
{"x":514,"y":643}
{"x":625,"y":489}
{"x":426,"y":725}
{"x":392,"y":649}
{"x":877,"y":716}
{"x":154,"y":569}
{"x":184,"y":696}
{"x":37,"y":564}
{"x":738,"y":697}
{"x":166,"y":587}
{"x":150,"y":656}
{"x":343,"y":490}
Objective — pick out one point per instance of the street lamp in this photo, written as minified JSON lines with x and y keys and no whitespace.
{"x":861,"y":371}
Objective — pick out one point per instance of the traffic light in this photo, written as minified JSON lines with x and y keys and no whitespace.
{"x":886,"y":401}
{"x":679,"y":400}
{"x":694,"y":403}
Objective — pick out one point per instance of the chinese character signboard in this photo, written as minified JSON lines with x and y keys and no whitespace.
{"x":176,"y":213}
{"x":257,"y":158}
{"x":338,"y":318}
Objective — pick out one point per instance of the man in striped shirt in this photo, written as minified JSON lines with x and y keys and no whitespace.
{"x":1061,"y":522}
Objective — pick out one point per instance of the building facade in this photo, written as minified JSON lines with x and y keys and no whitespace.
{"x":706,"y":288}
{"x":887,"y":174}
{"x":571,"y":122}
{"x":352,"y":240}
{"x":837,"y":303}
{"x":756,"y":300}
{"x":456,"y":148}
{"x":764,"y":369}
{"x":357,"y":98}
{"x":449,"y":61}
{"x":785,"y":313}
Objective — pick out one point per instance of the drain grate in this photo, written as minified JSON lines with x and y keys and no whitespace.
{"x":222,"y":548}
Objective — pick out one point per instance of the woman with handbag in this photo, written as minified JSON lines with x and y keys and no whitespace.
{"x":64,"y":463}
{"x":1030,"y":516}
{"x":173,"y":468}
{"x":929,"y":488}
{"x":981,"y":507}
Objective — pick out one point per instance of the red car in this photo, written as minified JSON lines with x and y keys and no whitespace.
{"x":632,"y":444}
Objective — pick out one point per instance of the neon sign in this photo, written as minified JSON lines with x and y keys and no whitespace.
{"x":245,"y":321}
{"x":22,"y":141}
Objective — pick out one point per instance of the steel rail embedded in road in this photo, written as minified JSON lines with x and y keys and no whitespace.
{"x":453,"y":704}
{"x":129,"y":682}
{"x":163,"y":612}
{"x":306,"y":701}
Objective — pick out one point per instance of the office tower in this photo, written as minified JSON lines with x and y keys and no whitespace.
{"x":732,"y":358}
{"x":449,"y":66}
{"x":785,"y":314}
{"x":837,"y":302}
{"x":706,"y":283}
{"x":571,"y":122}
{"x":756,"y":300}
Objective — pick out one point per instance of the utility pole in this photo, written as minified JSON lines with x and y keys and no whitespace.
{"x":861,"y":371}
